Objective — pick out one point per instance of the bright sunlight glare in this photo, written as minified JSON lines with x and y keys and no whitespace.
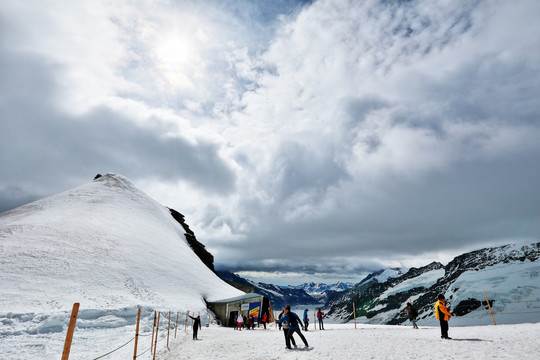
{"x":175,"y":57}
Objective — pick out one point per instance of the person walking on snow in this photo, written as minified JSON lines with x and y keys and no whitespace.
{"x":443,"y":314}
{"x":196,"y":326}
{"x":306,"y":320}
{"x":294,"y":324}
{"x":320,"y":316}
{"x":413,"y":313}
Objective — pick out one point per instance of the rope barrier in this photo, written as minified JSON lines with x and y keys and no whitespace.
{"x":162,"y":336}
{"x":110,"y":352}
{"x":147,"y":350}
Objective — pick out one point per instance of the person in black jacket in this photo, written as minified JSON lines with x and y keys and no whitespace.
{"x":294,"y":324}
{"x":285,"y":324}
{"x":196,"y":326}
{"x":413,"y":314}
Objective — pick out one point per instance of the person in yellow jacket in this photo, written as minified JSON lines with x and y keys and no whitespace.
{"x":443,"y":314}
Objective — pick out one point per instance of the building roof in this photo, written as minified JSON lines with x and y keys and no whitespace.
{"x":247,"y":296}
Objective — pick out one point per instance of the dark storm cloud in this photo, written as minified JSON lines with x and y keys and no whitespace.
{"x":298,"y":169}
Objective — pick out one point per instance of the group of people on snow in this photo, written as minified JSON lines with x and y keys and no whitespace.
{"x":291,"y":324}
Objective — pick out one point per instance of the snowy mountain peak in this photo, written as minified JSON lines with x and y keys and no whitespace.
{"x":104,"y":244}
{"x":383,"y":275}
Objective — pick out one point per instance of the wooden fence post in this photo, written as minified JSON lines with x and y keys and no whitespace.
{"x":153,"y":329}
{"x":354,"y":312}
{"x":137,"y":334}
{"x":168,"y":329}
{"x":489,"y":306}
{"x":71,"y":328}
{"x":157,"y":330}
{"x":176,"y":326}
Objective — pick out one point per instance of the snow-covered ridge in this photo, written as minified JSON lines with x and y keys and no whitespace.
{"x":105,"y":244}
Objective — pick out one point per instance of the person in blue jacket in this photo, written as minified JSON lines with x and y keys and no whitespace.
{"x":294,"y":324}
{"x":306,"y":320}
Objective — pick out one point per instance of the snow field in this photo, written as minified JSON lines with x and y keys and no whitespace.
{"x":343,"y":341}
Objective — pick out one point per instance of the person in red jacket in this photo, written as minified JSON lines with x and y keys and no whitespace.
{"x":443,"y":314}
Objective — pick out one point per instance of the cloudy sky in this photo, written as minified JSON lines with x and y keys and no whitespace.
{"x":313,"y":140}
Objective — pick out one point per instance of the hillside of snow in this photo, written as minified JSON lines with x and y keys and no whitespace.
{"x":106,"y":245}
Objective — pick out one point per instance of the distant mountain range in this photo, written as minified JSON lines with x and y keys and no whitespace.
{"x":303,"y":294}
{"x":279,"y":296}
{"x":509,"y":275}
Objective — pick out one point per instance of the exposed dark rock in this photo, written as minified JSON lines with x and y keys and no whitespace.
{"x":466,"y":306}
{"x":198,"y":248}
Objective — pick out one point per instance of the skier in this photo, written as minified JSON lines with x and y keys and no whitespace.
{"x":196,"y":326}
{"x":306,"y":320}
{"x":413,"y":313}
{"x":443,"y":314}
{"x":294,"y":325}
{"x":320,"y":316}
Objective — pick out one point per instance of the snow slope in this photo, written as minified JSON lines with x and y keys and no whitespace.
{"x":106,"y":245}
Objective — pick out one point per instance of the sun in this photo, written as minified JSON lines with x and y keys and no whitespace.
{"x":176,"y":58}
{"x":174,"y":52}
